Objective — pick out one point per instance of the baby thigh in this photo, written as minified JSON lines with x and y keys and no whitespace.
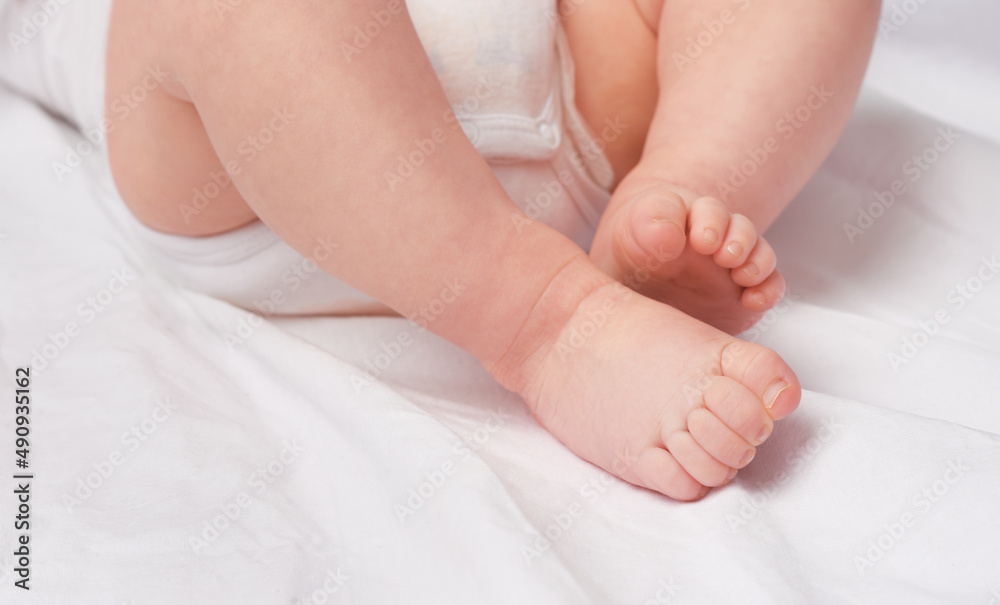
{"x":164,"y":164}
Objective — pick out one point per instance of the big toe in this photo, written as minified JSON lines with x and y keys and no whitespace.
{"x":650,"y":230}
{"x":764,"y":373}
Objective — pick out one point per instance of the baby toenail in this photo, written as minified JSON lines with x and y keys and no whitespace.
{"x":747,"y":457}
{"x":735,"y":249}
{"x":772,"y":392}
{"x":762,"y":435}
{"x":751,"y":270}
{"x":759,"y":298}
{"x":731,"y":475}
{"x":711,"y":236}
{"x":660,"y":219}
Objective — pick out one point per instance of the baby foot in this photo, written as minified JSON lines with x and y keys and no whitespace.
{"x":703,"y":259}
{"x":655,"y":397}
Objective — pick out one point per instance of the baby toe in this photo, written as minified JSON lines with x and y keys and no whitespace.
{"x":719,"y":440}
{"x":765,"y":374}
{"x":653,"y":226}
{"x":709,"y":222}
{"x":738,"y":409}
{"x":758,"y":266}
{"x":765,"y":295}
{"x":700,"y":464}
{"x":740,"y":239}
{"x":658,"y":470}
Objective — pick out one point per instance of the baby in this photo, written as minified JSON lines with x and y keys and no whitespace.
{"x":455,"y":161}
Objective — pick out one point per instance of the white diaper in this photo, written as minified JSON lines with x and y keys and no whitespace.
{"x":506,"y":69}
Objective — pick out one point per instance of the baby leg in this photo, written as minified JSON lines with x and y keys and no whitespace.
{"x":753,"y":94}
{"x":650,"y":394}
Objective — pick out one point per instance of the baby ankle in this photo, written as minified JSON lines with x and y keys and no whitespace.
{"x":518,"y":368}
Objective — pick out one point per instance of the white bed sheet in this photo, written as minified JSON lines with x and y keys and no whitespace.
{"x":884,"y":487}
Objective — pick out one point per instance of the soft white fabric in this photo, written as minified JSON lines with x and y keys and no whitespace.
{"x":857,"y":466}
{"x":53,"y":52}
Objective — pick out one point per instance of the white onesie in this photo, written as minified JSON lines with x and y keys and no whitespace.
{"x":504,"y":65}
